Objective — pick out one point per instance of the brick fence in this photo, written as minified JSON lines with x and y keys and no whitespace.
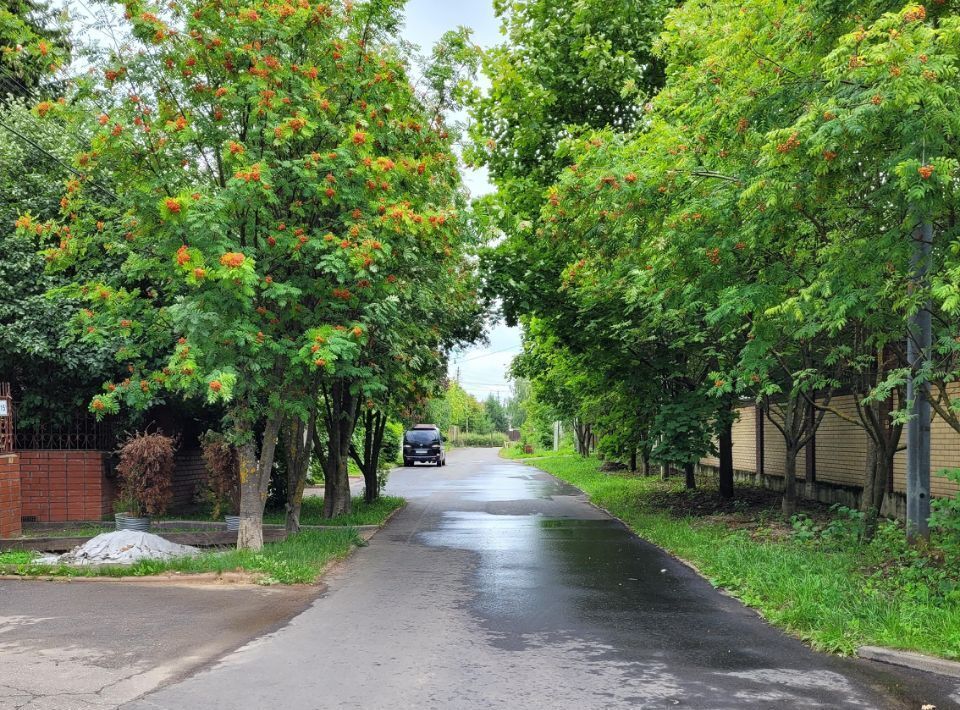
{"x":58,"y":486}
{"x":189,"y":475}
{"x":9,"y":495}
{"x":833,"y":467}
{"x":61,"y":486}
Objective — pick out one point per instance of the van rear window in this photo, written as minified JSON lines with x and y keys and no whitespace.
{"x":421,"y":436}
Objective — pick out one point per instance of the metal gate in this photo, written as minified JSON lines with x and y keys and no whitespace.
{"x":7,"y":433}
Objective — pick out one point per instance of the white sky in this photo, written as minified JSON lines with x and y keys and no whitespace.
{"x":483,"y":369}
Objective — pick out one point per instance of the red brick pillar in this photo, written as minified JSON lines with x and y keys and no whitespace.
{"x":9,"y":495}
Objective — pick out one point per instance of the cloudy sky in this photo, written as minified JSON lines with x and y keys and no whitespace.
{"x":482,"y":370}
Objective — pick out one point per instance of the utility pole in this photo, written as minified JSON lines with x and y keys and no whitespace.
{"x":919,"y":341}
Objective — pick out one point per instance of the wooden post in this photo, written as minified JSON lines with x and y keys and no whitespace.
{"x":759,"y":411}
{"x":811,"y":462}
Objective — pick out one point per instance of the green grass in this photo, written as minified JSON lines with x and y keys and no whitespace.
{"x":515,"y":452}
{"x":297,"y":560}
{"x":16,"y":557}
{"x":834,"y":596}
{"x":363,"y":513}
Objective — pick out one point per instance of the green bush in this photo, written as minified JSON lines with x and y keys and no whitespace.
{"x":480,"y":440}
{"x":945,"y":515}
{"x":390,"y":448}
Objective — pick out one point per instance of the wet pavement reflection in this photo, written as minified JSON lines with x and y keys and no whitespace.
{"x":498,"y":586}
{"x":552,"y":569}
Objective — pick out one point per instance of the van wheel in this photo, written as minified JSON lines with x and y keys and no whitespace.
{"x":407,"y":463}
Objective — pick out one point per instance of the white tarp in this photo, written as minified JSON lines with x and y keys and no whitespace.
{"x":124,"y":547}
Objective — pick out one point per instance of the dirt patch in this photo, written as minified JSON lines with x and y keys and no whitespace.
{"x":754,"y":510}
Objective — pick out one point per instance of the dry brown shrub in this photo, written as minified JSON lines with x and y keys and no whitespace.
{"x":146,"y":472}
{"x":223,"y":474}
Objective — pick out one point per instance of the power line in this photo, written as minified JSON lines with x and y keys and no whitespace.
{"x":50,"y":155}
{"x":482,"y":355}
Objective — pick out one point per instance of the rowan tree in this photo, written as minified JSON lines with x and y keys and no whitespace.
{"x":281,"y":190}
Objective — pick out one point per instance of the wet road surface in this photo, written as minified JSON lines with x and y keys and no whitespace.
{"x":499,"y":586}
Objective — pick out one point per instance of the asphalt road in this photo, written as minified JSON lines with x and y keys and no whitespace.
{"x":77,"y":645}
{"x":499,"y":586}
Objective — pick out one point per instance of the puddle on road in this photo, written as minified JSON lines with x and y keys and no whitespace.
{"x":497,"y":484}
{"x":494,"y":488}
{"x":537,"y":574}
{"x":592,"y":587}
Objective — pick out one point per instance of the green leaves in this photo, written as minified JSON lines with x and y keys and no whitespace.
{"x":288,"y":210}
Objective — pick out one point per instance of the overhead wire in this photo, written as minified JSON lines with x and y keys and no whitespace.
{"x":8,"y":79}
{"x":478,"y":356}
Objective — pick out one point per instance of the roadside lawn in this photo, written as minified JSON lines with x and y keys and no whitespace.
{"x":297,"y":560}
{"x":814,"y":576}
{"x":515,"y":452}
{"x":363,"y":513}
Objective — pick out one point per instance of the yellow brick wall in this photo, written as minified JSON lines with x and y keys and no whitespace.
{"x":711,"y":460}
{"x":775,"y":452}
{"x":841,"y":449}
{"x":944,"y":453}
{"x":841,"y":446}
{"x":745,"y":440}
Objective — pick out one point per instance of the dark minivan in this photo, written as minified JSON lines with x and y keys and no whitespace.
{"x":423,"y":443}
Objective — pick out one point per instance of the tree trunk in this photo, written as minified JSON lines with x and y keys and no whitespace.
{"x":341,"y":421}
{"x":869,"y":479}
{"x":789,"y":503}
{"x":374,"y":426}
{"x":664,"y":471}
{"x":646,"y":463}
{"x":250,"y":535}
{"x":583,"y":438}
{"x":372,"y":491}
{"x":878,"y":473}
{"x":298,"y":441}
{"x":690,"y":480}
{"x":883,"y":438}
{"x":336,"y":490}
{"x":254,"y":483}
{"x":633,"y":461}
{"x":726,"y":461}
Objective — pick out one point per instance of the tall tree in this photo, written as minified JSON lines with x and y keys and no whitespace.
{"x":33,"y":45}
{"x":269,"y":220}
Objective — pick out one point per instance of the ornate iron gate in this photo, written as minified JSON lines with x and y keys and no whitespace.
{"x":7,"y":433}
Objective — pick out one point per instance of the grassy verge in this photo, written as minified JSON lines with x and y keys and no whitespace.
{"x":297,"y":560}
{"x":363,"y":513}
{"x":516,"y":452}
{"x":814,"y":578}
{"x":311,"y":513}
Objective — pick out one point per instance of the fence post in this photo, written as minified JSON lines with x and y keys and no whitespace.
{"x":759,"y":416}
{"x":811,"y":462}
